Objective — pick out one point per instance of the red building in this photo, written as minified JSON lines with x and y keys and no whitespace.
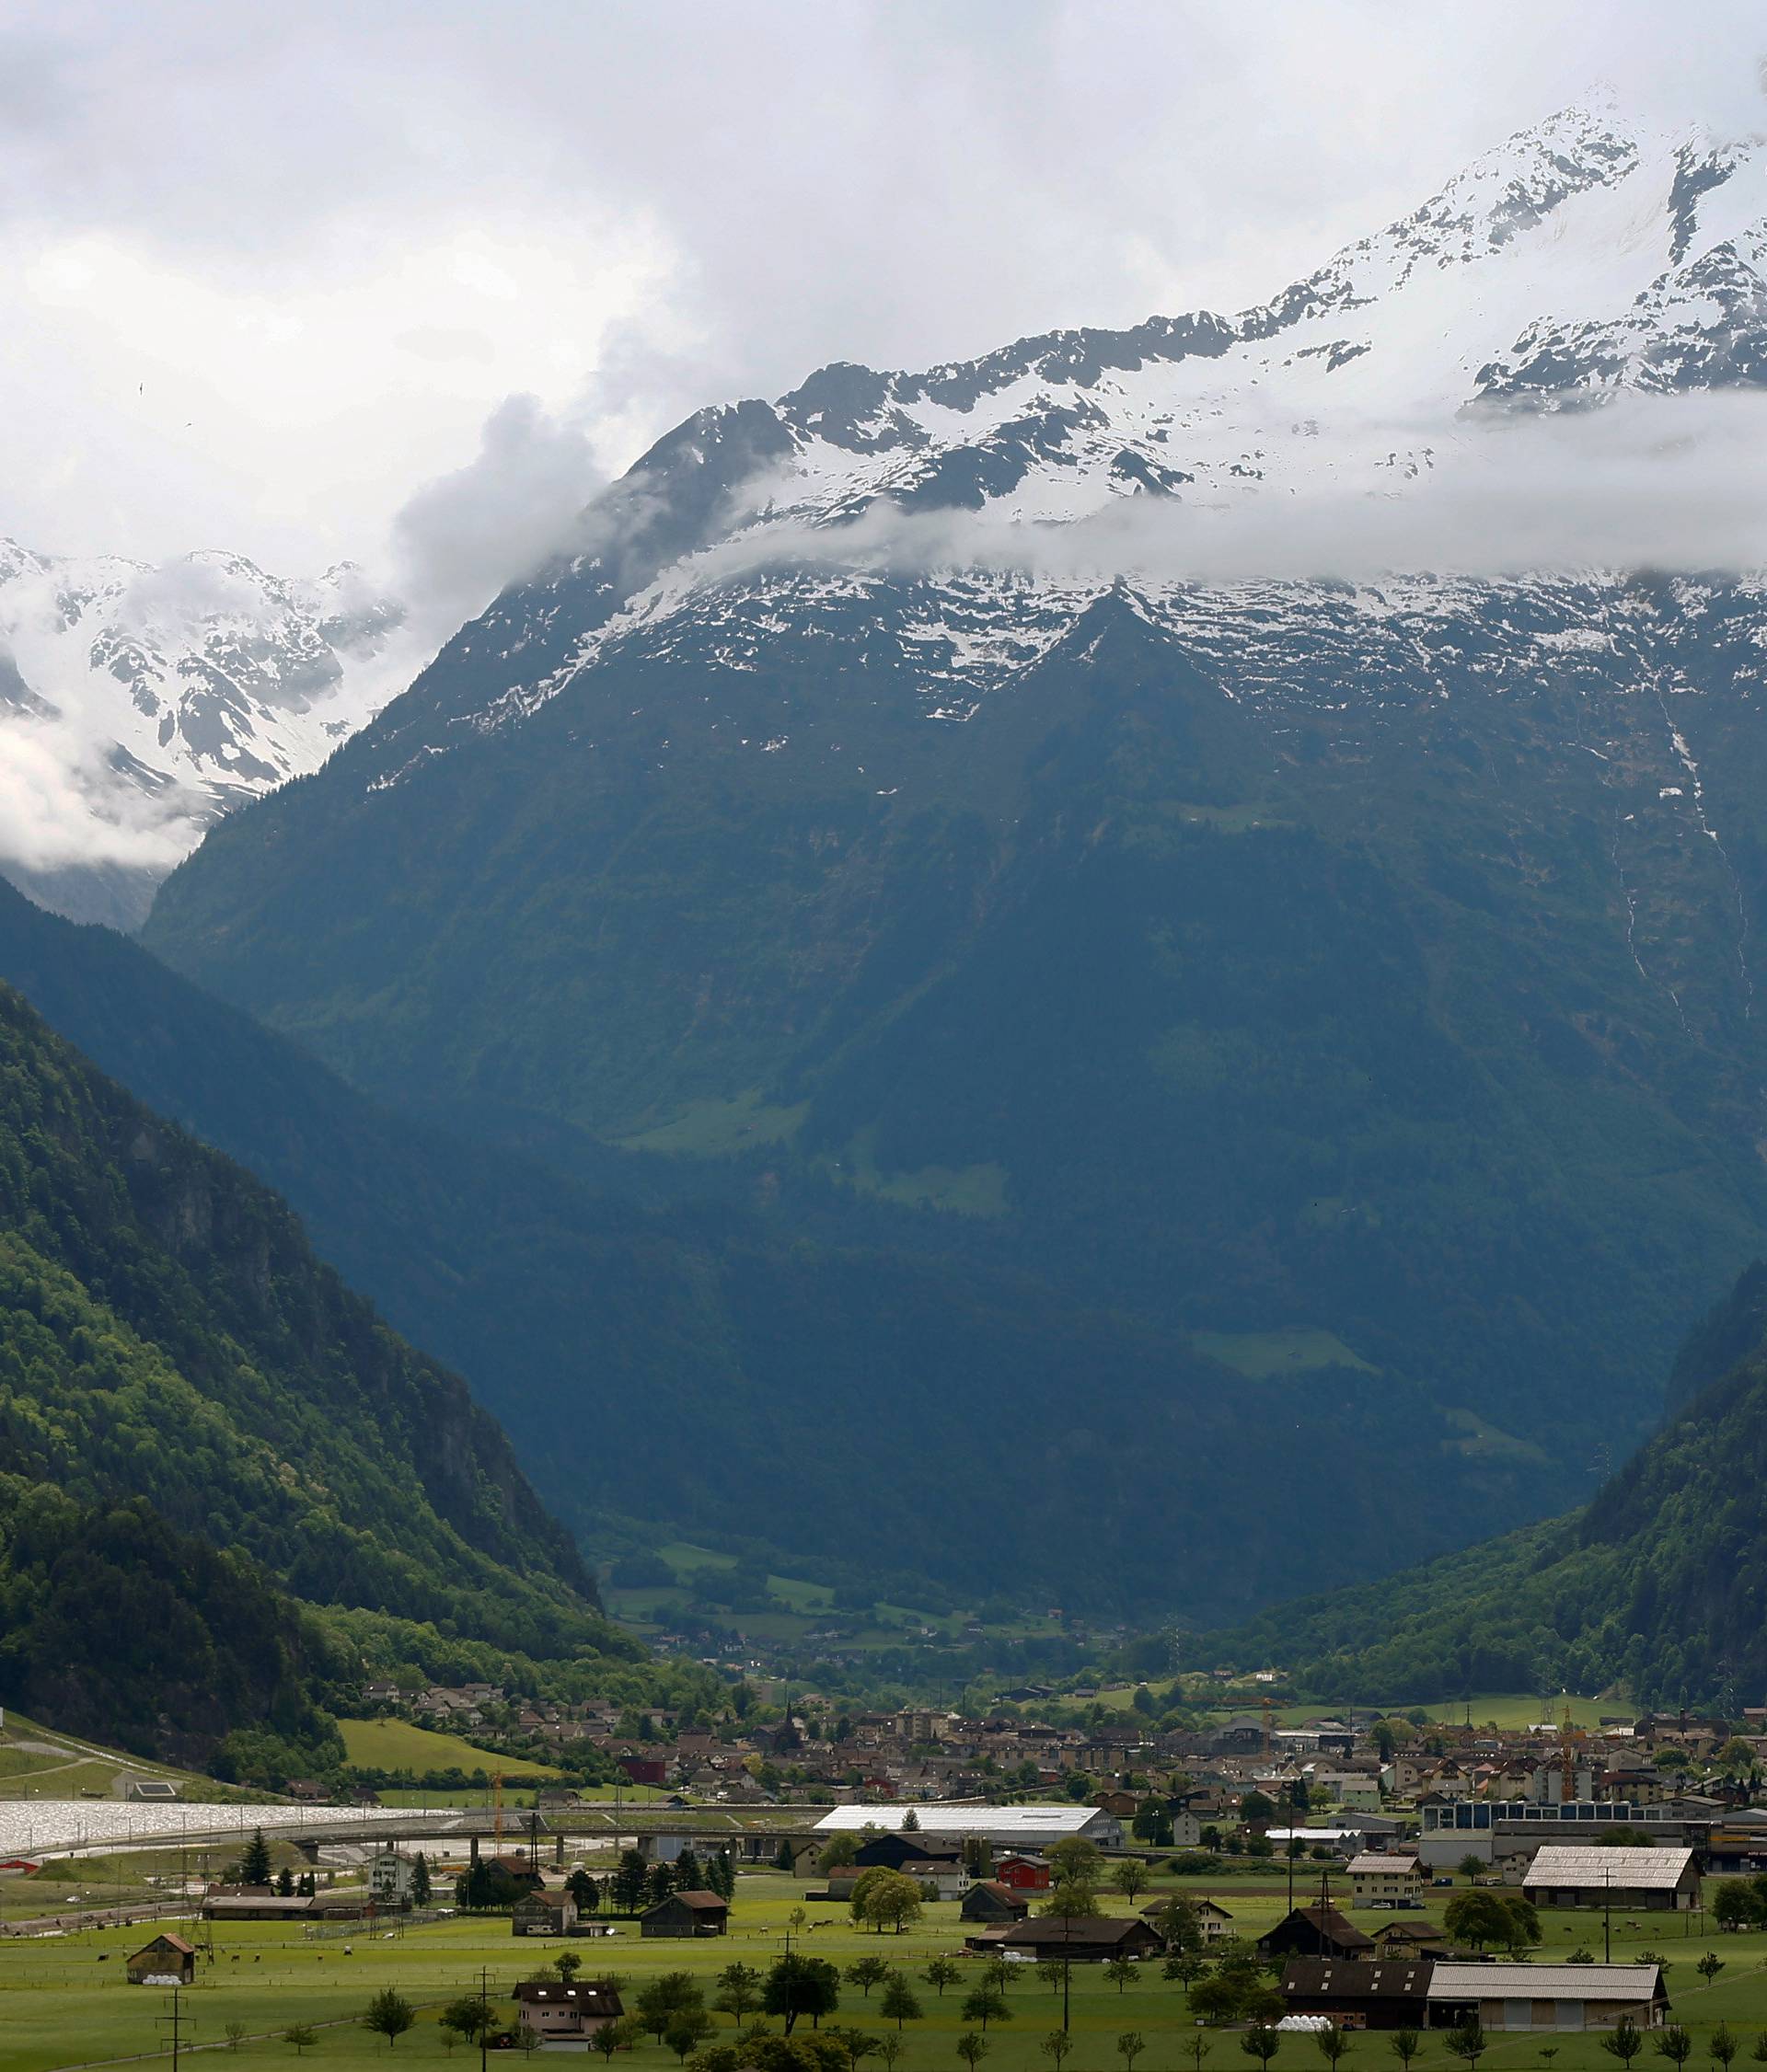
{"x":644,"y":1769}
{"x":1022,"y":1874}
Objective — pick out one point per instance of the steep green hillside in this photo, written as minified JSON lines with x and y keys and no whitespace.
{"x":748,"y":1381}
{"x":1658,"y":1585}
{"x":166,"y":1333}
{"x":120,"y":1630}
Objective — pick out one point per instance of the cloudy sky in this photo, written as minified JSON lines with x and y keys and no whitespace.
{"x":394,"y":281}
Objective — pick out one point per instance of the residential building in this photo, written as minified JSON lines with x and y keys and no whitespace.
{"x":1379,"y":1879}
{"x":564,"y":2015}
{"x":389,"y":1877}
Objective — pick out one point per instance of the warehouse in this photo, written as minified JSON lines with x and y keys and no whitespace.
{"x":1557,"y":1997}
{"x":1566,"y":1874}
{"x":1002,"y":1828}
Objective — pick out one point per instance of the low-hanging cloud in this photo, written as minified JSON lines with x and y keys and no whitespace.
{"x":462,"y":538}
{"x":1664,"y":484}
{"x":63,"y":804}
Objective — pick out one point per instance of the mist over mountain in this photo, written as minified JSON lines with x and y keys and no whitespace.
{"x":138,"y":704}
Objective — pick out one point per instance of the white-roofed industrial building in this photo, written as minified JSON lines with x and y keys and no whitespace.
{"x":1580,"y":1874}
{"x":1024,"y":1827}
{"x":1560,"y":1996}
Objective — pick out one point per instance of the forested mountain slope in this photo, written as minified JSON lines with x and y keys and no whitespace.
{"x":1360,"y":971}
{"x":1659,"y":1585}
{"x":671,"y":1359}
{"x":167,"y":1333}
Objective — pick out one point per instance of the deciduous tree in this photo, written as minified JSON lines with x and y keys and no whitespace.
{"x":899,"y":2002}
{"x":389,"y":2014}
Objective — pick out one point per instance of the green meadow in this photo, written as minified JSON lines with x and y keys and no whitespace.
{"x":63,"y":2001}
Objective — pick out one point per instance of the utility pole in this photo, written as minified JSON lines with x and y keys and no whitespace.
{"x":484,"y":2016}
{"x":1607,"y":1917}
{"x":173,"y":2024}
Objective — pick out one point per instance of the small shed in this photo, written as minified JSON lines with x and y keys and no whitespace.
{"x":686,"y":1913}
{"x":989,"y":1901}
{"x":168,"y":1960}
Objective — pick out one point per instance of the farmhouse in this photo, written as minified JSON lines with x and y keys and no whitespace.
{"x":1565,"y":1874}
{"x":566,"y":2014}
{"x":686,"y":1913}
{"x":168,"y":1960}
{"x":1378,"y":1994}
{"x":1213,"y":1923}
{"x":1024,"y":1873}
{"x":543,"y":1913}
{"x":1528,"y":1996}
{"x":1385,"y":1880}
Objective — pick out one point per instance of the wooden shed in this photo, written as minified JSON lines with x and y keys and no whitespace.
{"x":168,"y":1960}
{"x":686,"y":1913}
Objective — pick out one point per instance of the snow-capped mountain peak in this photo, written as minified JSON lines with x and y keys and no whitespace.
{"x":140,"y":702}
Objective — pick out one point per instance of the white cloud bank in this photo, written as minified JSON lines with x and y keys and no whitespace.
{"x":1654,"y":484}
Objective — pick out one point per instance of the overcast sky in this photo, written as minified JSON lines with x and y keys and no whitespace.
{"x":306,"y":280}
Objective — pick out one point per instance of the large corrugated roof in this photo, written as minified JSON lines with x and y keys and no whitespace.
{"x":1624,"y":1869}
{"x":1010,"y":1823}
{"x":1543,"y":1982}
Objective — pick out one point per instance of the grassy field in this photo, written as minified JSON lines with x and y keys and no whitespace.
{"x":64,"y":2002}
{"x":37,"y":1761}
{"x":396,"y":1744}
